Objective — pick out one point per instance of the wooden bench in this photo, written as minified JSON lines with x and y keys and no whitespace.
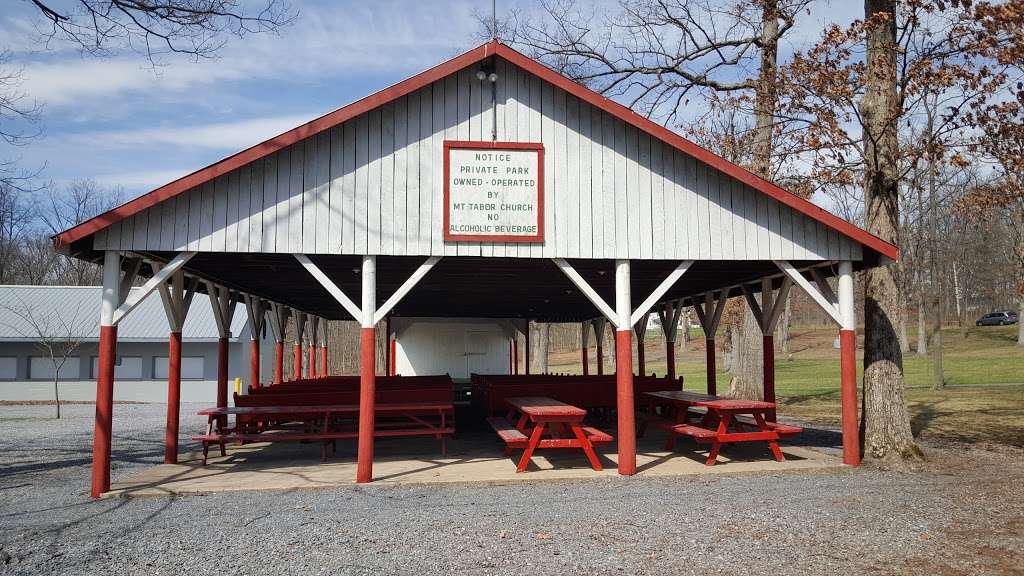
{"x":326,"y":437}
{"x":696,"y":432}
{"x":324,"y":422}
{"x":782,"y":429}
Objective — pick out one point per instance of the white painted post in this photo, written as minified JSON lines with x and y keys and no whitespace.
{"x":848,"y":365}
{"x":105,"y":373}
{"x":367,"y":372}
{"x":624,"y":370}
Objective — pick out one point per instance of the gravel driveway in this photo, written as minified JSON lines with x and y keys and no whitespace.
{"x":964,"y":514}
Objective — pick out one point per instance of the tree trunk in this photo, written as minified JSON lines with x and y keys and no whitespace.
{"x":56,"y":395}
{"x":922,"y":329}
{"x":748,"y":361}
{"x":783,"y":327}
{"x":887,"y":435}
{"x":1020,"y":322}
{"x":901,"y":268}
{"x":938,"y":291}
{"x":539,"y":339}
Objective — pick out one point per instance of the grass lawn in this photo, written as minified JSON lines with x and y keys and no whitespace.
{"x":983,"y":400}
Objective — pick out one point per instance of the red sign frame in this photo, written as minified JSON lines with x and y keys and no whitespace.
{"x":481,"y":145}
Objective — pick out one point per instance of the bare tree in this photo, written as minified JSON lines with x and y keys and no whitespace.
{"x":58,"y":336}
{"x":885,"y":420}
{"x":63,"y":208}
{"x":197,"y":28}
{"x":656,"y":55}
{"x":19,"y":123}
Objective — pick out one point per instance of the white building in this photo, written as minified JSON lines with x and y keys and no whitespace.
{"x":70,"y":314}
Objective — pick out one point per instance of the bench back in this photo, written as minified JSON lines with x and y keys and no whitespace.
{"x":588,"y":392}
{"x":408,"y":389}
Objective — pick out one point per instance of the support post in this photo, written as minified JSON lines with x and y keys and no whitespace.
{"x":515,"y":355}
{"x":278,"y":324}
{"x":257,"y":312}
{"x":173,"y":398}
{"x":624,"y":370}
{"x":311,"y":351}
{"x":709,"y":313}
{"x":105,"y":374}
{"x":599,"y":335}
{"x":387,"y":339}
{"x":222,"y":372}
{"x":848,"y":365}
{"x":709,"y":359}
{"x":278,"y":362}
{"x":584,"y":338}
{"x":641,"y":332}
{"x":367,"y":375}
{"x":254,"y":362}
{"x":223,"y":313}
{"x":768,"y":359}
{"x":300,"y":329}
{"x":323,"y":348}
{"x":668,"y":314}
{"x":176,"y":300}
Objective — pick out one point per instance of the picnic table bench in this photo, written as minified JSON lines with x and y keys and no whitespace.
{"x":540,"y":422}
{"x":329,"y":423}
{"x":725,"y":421}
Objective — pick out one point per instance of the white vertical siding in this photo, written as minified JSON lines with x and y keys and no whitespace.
{"x":373,"y":185}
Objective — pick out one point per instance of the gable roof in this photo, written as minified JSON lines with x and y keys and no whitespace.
{"x":480,"y":53}
{"x":25,"y":310}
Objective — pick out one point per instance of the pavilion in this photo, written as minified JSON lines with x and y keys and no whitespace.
{"x":488,"y":186}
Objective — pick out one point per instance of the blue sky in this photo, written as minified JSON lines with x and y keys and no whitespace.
{"x":119,"y":122}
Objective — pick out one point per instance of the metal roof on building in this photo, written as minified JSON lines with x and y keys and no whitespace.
{"x":64,"y":310}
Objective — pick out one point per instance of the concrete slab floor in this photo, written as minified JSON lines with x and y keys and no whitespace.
{"x":472,"y":458}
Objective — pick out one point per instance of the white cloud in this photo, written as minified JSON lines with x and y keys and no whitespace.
{"x":327,"y":41}
{"x":231,"y":136}
{"x":141,"y":180}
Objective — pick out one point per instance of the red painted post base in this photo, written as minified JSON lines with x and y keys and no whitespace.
{"x":323,"y":362}
{"x":367,"y":389}
{"x":222,"y":372}
{"x":712,"y":385}
{"x":173,"y":398}
{"x":278,"y":362}
{"x":312,"y":362}
{"x":848,"y":396}
{"x":104,"y":411}
{"x":670,"y":359}
{"x":624,"y":401}
{"x":768,"y":355}
{"x":254,"y":364}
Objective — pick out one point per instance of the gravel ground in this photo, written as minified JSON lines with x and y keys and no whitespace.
{"x":962,"y":514}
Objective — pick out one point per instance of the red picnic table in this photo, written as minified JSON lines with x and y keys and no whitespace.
{"x":328,"y":422}
{"x":542,"y":422}
{"x":723,"y":412}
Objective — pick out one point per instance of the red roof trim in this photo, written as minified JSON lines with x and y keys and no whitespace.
{"x":711,"y":159}
{"x":276,"y":143}
{"x":429,"y":76}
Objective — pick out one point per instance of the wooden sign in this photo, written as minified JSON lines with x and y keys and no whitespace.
{"x":494,"y":191}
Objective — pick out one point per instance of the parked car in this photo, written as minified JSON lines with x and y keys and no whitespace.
{"x":997,"y":319}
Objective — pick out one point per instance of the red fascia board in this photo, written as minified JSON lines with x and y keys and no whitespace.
{"x":276,"y":143}
{"x":686,"y":146}
{"x":440,"y":71}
